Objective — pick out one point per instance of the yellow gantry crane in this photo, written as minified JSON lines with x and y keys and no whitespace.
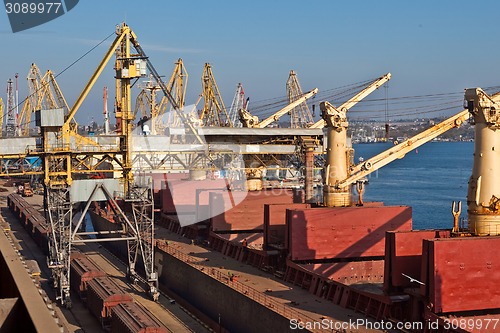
{"x":148,"y":106}
{"x":34,"y":100}
{"x":61,"y":160}
{"x":44,"y":93}
{"x":214,"y":111}
{"x":300,"y":116}
{"x":177,"y":86}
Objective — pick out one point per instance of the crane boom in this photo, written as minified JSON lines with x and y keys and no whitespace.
{"x":399,"y":151}
{"x":357,"y":98}
{"x":125,"y":32}
{"x":95,"y":76}
{"x":253,"y":121}
{"x":483,"y":215}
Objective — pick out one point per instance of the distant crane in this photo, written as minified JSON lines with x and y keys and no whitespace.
{"x":44,"y":93}
{"x":155,"y":110}
{"x":146,"y":102}
{"x":238,"y":103}
{"x":248,"y":120}
{"x":1,"y":115}
{"x":214,"y":111}
{"x":33,"y":101}
{"x":17,"y":129}
{"x":300,"y":116}
{"x":10,"y":125}
{"x":177,"y":86}
{"x":105,"y":111}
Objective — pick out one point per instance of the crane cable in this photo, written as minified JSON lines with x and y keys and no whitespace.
{"x":64,"y":70}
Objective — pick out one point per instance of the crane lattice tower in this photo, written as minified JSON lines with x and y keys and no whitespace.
{"x":300,"y":116}
{"x":10,"y":124}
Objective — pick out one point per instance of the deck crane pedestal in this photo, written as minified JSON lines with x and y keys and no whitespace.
{"x":483,"y":196}
{"x":339,"y":155}
{"x":254,"y":171}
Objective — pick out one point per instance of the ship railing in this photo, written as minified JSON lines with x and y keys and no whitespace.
{"x":270,"y":302}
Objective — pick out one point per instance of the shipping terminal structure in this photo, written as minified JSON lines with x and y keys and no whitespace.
{"x":183,"y":207}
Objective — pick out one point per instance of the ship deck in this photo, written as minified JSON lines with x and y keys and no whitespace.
{"x":302,"y":303}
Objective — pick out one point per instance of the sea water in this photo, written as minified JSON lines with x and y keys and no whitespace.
{"x":428,"y":179}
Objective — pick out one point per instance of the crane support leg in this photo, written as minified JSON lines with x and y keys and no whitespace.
{"x":143,"y":214}
{"x":59,"y":211}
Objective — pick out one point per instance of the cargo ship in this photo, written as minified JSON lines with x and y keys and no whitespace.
{"x":361,"y":256}
{"x":356,"y":260}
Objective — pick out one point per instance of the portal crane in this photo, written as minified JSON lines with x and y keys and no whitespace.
{"x":44,"y":93}
{"x":214,"y":111}
{"x":56,"y":97}
{"x":356,"y":98}
{"x":238,"y":103}
{"x":146,"y":101}
{"x":34,"y":100}
{"x":177,"y":86}
{"x":176,"y":107}
{"x":300,"y":116}
{"x":58,"y":157}
{"x":249,"y":120}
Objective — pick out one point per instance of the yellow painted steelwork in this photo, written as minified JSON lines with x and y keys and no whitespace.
{"x":214,"y":111}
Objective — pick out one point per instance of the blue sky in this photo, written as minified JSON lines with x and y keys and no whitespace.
{"x":430,"y":48}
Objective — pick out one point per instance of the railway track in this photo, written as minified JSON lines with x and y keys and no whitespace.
{"x":116,"y":303}
{"x":76,"y":320}
{"x":165,"y":309}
